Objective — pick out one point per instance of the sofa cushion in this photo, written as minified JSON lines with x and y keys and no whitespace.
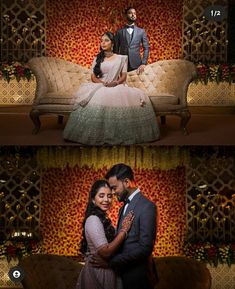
{"x":57,"y":98}
{"x":51,"y":108}
{"x":163,"y":99}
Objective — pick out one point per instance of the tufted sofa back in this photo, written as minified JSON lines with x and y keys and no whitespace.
{"x":45,"y":271}
{"x":57,"y":79}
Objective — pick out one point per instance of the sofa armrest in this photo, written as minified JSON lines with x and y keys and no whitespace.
{"x":50,"y":272}
{"x":57,"y":76}
{"x":41,"y":82}
{"x":165,"y":77}
{"x":179,"y":272}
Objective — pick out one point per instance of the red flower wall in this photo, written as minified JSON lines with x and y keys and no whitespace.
{"x":64,"y":198}
{"x":74,"y":27}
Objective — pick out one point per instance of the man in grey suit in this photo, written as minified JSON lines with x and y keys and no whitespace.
{"x":132,"y":261}
{"x":129,"y":40}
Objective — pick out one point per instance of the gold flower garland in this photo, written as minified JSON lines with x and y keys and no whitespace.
{"x":139,"y":157}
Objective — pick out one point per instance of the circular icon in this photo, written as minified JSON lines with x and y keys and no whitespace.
{"x":16,"y":274}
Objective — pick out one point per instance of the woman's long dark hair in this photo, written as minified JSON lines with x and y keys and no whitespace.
{"x":100,"y":56}
{"x":92,"y":209}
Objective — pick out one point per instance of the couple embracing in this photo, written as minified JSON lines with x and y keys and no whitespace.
{"x":121,"y":258}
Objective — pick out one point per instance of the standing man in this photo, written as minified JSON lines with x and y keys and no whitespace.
{"x":132,"y":261}
{"x":128,"y":41}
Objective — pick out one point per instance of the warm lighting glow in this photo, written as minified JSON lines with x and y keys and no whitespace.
{"x":202,"y":186}
{"x":21,"y":234}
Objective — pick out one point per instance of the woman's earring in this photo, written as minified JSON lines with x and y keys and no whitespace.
{"x":93,"y":201}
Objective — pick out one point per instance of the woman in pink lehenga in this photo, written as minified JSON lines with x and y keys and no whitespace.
{"x":99,"y":237}
{"x":107,"y":111}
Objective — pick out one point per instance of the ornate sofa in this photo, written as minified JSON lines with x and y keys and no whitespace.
{"x":59,"y":272}
{"x":166,"y":82}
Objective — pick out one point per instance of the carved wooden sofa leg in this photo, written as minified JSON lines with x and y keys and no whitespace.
{"x":185,"y":117}
{"x":163,"y":119}
{"x":34,"y":115}
{"x":60,"y":119}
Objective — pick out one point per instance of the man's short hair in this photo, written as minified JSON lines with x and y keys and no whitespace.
{"x":128,"y":8}
{"x":121,"y":172}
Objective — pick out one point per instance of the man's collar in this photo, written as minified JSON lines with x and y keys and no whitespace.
{"x":133,"y":194}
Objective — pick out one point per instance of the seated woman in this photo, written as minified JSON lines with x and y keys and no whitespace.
{"x":107,"y":111}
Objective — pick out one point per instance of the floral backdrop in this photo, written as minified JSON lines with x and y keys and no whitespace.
{"x":66,"y":175}
{"x":64,"y":197}
{"x":74,"y":27}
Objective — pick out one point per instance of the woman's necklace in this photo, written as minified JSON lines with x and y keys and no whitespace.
{"x":108,"y":54}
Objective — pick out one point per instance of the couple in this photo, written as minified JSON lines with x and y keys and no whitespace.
{"x":107,"y":111}
{"x":121,"y":259}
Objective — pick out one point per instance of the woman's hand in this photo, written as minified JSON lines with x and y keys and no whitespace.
{"x":109,"y":249}
{"x":98,"y":262}
{"x":140,"y":69}
{"x":127,"y":222}
{"x":95,"y":79}
{"x":111,"y":84}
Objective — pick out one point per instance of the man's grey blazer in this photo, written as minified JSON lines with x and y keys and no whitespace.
{"x":131,"y":260}
{"x":131,"y":46}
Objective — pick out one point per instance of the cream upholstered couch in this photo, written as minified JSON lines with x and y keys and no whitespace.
{"x":59,"y":272}
{"x":166,"y":82}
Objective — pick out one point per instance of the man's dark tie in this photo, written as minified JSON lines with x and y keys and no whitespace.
{"x":126,"y":202}
{"x":130,"y":26}
{"x":122,"y":213}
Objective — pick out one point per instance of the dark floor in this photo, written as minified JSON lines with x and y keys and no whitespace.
{"x":207,"y":126}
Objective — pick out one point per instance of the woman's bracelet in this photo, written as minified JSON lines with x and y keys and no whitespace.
{"x":124,"y":231}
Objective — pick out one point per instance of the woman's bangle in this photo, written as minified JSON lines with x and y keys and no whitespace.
{"x":124,"y":231}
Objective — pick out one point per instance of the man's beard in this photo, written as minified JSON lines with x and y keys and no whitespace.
{"x":131,"y":21}
{"x":123,"y":196}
